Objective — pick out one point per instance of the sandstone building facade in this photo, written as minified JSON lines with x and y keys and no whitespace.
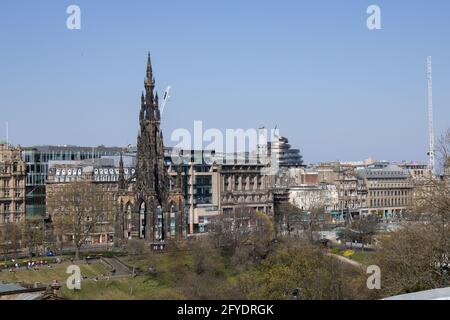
{"x":12,"y":185}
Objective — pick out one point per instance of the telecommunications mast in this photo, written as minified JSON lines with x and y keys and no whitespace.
{"x":431,"y":159}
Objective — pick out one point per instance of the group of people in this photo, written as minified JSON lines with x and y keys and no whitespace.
{"x":31,"y":265}
{"x":37,"y":264}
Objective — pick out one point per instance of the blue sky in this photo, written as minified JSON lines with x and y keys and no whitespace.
{"x":334,"y":88}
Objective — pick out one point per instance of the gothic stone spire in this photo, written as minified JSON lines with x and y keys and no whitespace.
{"x":121,"y":174}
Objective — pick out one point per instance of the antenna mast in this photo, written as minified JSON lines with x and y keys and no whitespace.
{"x":431,"y":163}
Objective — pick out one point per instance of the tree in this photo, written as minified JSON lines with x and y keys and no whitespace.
{"x":33,"y":234}
{"x":304,"y":271}
{"x":312,"y":220}
{"x":417,"y":256}
{"x":245,"y":228}
{"x":287,"y":218}
{"x":443,"y":149}
{"x":309,"y":217}
{"x":10,"y":239}
{"x":407,"y":261}
{"x":361,"y":229}
{"x":80,"y":210}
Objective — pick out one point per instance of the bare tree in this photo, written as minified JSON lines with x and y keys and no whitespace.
{"x":10,"y":239}
{"x":305,"y":216}
{"x":443,"y":149}
{"x":312,"y":220}
{"x":244,"y":227}
{"x":80,"y":210}
{"x":296,"y":270}
{"x":432,"y":208}
{"x":407,"y":259}
{"x":33,"y":234}
{"x":287,"y":217}
{"x":418,"y":255}
{"x":361,"y":229}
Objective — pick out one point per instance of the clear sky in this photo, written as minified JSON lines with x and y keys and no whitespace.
{"x":336,"y":89}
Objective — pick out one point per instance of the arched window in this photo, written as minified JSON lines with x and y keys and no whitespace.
{"x":172,"y":220}
{"x":142,"y":211}
{"x":159,"y":233}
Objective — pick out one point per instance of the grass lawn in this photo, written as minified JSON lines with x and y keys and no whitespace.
{"x":362,"y":257}
{"x":138,"y":288}
{"x":143,"y":287}
{"x":57,"y":272}
{"x":358,"y":256}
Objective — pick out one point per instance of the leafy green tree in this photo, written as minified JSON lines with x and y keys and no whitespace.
{"x":303,"y":272}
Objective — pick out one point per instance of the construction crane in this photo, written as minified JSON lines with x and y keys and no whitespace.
{"x":431,"y":159}
{"x":166,"y":98}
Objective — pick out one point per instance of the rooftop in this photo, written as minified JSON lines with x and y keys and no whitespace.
{"x":434,"y":294}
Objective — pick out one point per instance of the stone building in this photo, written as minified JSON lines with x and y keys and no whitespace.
{"x":216,"y":187}
{"x":12,"y":184}
{"x":418,"y":171}
{"x":351,"y":189}
{"x":100,"y":175}
{"x":307,"y":197}
{"x":389,"y":190}
{"x":37,"y":160}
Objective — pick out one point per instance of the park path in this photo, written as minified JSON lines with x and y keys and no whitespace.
{"x":347,"y":260}
{"x":119,"y":267}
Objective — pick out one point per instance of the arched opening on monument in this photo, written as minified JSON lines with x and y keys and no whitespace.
{"x":128,"y":222}
{"x":142,"y":213}
{"x":159,"y":227}
{"x":172,"y":220}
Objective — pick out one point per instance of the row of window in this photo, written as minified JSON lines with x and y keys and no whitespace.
{"x":5,"y":183}
{"x":6,"y":218}
{"x":6,"y":207}
{"x":39,"y":156}
{"x":389,"y":185}
{"x":389,"y":202}
{"x":103,"y":178}
{"x":389,"y":193}
{"x":6,"y":193}
{"x":254,"y":184}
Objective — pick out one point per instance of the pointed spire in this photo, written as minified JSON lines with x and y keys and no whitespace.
{"x":157,"y":112}
{"x":149,"y":81}
{"x":149,"y":67}
{"x":121,"y":179}
{"x":141,"y":114}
